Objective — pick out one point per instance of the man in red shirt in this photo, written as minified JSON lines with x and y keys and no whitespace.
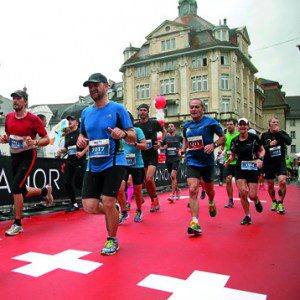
{"x":21,"y":128}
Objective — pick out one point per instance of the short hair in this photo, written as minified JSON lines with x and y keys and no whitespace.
{"x":270,"y":120}
{"x":42,"y":117}
{"x":234,"y":121}
{"x":201,"y":102}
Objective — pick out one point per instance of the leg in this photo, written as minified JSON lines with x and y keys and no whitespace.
{"x":149,"y":181}
{"x":174,"y":182}
{"x":111,"y":215}
{"x":282,"y":187}
{"x":242,"y":188}
{"x":193,"y":184}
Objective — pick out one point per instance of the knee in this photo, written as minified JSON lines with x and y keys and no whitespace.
{"x":173,"y":177}
{"x":193,"y":189}
{"x":88,"y":208}
{"x":229,"y":180}
{"x":243,"y":193}
{"x":149,"y":178}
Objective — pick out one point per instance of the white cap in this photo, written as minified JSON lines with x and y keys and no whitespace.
{"x":243,"y":120}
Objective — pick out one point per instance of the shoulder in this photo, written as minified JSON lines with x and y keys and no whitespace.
{"x":187,"y":124}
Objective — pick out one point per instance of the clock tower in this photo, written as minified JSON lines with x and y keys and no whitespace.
{"x":187,"y":7}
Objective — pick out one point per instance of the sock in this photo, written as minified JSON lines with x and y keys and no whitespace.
{"x":230,"y":200}
{"x":248,"y":216}
{"x":44,"y":192}
{"x":275,"y":200}
{"x":279,"y":202}
{"x":195,"y":219}
{"x":130,"y":191}
{"x":18,"y":222}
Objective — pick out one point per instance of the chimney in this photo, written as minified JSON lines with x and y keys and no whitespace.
{"x":225,"y":22}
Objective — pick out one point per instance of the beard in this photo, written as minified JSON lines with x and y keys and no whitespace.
{"x":98,"y":95}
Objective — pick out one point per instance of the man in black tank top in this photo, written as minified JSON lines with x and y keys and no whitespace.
{"x":150,"y":156}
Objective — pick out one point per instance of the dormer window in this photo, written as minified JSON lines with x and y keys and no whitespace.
{"x":168,"y":45}
{"x":119,"y":92}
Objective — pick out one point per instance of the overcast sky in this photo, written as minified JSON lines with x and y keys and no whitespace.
{"x":53,"y":46}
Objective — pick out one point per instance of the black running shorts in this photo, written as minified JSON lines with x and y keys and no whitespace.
{"x":137,"y":174}
{"x":172,"y":165}
{"x":274,"y":169}
{"x":207,"y":173}
{"x":105,"y":183}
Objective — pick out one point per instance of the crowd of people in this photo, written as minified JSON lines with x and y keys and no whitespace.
{"x":108,"y":153}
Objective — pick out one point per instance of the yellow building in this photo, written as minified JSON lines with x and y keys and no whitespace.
{"x":190,"y":58}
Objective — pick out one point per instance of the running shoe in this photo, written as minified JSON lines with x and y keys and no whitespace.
{"x":72,"y":208}
{"x":258,"y":206}
{"x":138,"y":216}
{"x":212,"y":209}
{"x":156,"y":204}
{"x":49,"y":197}
{"x":274,"y":206}
{"x":128,"y":205}
{"x":178,"y":194}
{"x":14,"y":230}
{"x":230,"y":204}
{"x":124,"y":215}
{"x":280,"y":209}
{"x":171,"y":198}
{"x":152,"y":207}
{"x":194,"y":228}
{"x":110,"y":247}
{"x":202,"y":196}
{"x":246,"y":221}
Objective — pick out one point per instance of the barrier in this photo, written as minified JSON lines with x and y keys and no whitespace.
{"x":51,"y":171}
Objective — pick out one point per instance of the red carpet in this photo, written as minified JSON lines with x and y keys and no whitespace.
{"x":263,"y":258}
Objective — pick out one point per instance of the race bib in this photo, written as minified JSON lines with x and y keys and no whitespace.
{"x":171,"y":151}
{"x":275,"y":151}
{"x":16,"y":142}
{"x":149,"y":144}
{"x":72,"y":150}
{"x":99,"y":148}
{"x":250,"y":165}
{"x":131,"y":160}
{"x":195,"y":142}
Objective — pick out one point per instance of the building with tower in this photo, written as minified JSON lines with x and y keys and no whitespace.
{"x":190,"y":58}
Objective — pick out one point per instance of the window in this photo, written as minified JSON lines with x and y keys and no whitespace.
{"x":172,"y":110}
{"x":224,"y":82}
{"x":293,"y":134}
{"x":292,"y":122}
{"x":169,"y":65}
{"x":143,"y":91}
{"x":199,"y":61}
{"x":224,"y":59}
{"x":143,"y":71}
{"x":293,"y":148}
{"x":225,"y":105}
{"x":205,"y":103}
{"x":119,"y":92}
{"x":167,"y":86}
{"x":168,"y":45}
{"x":199,"y":83}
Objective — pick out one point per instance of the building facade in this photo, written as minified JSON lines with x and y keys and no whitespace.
{"x":190,"y":58}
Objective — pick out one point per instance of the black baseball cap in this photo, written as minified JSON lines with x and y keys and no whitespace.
{"x":21,"y":94}
{"x":71,"y":118}
{"x":95,"y":78}
{"x":144,"y":105}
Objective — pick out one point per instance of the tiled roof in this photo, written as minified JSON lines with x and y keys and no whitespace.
{"x":294,"y":104}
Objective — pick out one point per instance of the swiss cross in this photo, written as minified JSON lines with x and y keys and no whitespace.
{"x":199,"y":285}
{"x":45,"y":263}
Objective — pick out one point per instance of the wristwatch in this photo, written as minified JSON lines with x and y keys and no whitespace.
{"x":126,"y":134}
{"x":216,"y":145}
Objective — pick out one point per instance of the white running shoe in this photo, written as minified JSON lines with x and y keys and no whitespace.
{"x":14,"y":230}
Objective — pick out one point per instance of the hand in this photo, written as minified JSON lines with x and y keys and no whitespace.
{"x":259,"y":163}
{"x":79,"y":154}
{"x":3,"y":139}
{"x":209,"y":148}
{"x":116,"y":133}
{"x":82,"y":141}
{"x":59,"y":153}
{"x":29,"y":141}
{"x":157,"y":145}
{"x":181,"y":153}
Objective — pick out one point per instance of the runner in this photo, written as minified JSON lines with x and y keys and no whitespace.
{"x":21,"y":128}
{"x":172,"y":144}
{"x":198,"y":139}
{"x":231,"y":133}
{"x":274,"y":142}
{"x":103,"y":125}
{"x":246,"y":148}
{"x":150,"y":156}
{"x":75,"y":163}
{"x":136,"y":170}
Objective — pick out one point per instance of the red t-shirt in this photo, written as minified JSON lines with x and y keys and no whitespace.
{"x":30,"y":125}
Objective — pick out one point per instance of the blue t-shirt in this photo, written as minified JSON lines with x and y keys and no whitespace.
{"x":104,"y":151}
{"x":129,"y":149}
{"x":198,"y":135}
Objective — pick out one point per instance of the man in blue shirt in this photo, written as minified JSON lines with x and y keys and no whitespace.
{"x":103,"y":126}
{"x":199,"y":141}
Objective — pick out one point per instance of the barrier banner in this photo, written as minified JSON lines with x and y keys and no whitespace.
{"x":51,"y":171}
